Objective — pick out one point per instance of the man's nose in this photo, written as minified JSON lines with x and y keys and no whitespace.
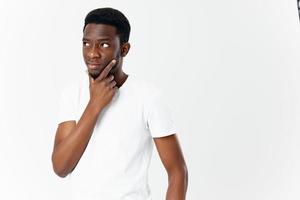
{"x":93,"y":52}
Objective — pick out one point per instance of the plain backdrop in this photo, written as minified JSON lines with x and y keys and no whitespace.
{"x":230,"y":70}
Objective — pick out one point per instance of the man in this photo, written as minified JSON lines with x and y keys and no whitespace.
{"x":108,"y":122}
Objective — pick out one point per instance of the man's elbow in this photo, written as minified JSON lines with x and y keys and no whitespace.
{"x":60,"y":174}
{"x":185,"y":174}
{"x":58,"y":169}
{"x":180,"y":172}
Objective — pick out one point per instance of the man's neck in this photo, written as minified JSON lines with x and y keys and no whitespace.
{"x":120,"y":78}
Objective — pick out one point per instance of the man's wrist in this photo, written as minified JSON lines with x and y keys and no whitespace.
{"x":95,"y":106}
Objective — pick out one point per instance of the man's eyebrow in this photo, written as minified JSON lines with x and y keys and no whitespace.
{"x":99,"y":39}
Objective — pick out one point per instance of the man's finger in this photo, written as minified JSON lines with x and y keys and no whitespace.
{"x":106,"y":70}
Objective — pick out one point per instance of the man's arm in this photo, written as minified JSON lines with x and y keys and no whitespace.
{"x":172,"y":158}
{"x":71,"y":139}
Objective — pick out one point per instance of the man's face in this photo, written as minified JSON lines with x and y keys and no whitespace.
{"x":101,"y":44}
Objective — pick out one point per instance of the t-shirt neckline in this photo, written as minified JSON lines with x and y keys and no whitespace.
{"x":125,"y":84}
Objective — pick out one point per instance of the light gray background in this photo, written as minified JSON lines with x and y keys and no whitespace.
{"x":230,"y":69}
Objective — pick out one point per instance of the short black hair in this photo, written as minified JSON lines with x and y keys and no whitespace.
{"x":112,"y":17}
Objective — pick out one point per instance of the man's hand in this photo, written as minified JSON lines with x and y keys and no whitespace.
{"x":103,"y":88}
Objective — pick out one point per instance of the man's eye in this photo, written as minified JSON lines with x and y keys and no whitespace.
{"x":105,"y":45}
{"x":86,"y":44}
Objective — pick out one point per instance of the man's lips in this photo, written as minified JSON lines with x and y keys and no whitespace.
{"x":93,"y":66}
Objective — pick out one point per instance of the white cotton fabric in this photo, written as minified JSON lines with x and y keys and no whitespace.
{"x":115,"y":163}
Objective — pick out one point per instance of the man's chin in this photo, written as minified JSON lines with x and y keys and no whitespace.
{"x":94,"y":75}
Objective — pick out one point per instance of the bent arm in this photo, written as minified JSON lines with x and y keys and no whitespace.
{"x":71,"y":140}
{"x":172,"y":158}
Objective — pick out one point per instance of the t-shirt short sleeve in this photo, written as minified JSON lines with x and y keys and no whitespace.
{"x":67,"y":104}
{"x":159,"y":116}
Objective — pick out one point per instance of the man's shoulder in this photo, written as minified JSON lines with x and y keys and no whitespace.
{"x":72,"y":87}
{"x":145,"y":86}
{"x":76,"y":83}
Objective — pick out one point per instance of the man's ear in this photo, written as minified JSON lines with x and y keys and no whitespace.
{"x":125,"y":49}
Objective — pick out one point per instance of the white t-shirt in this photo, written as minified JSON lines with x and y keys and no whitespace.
{"x":115,"y":163}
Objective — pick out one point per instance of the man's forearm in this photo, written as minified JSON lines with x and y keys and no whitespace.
{"x":68,"y":152}
{"x":178,"y":182}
